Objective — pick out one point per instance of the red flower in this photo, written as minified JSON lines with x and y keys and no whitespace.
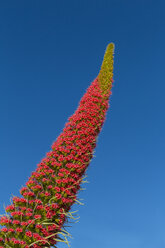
{"x":29,"y":234}
{"x":58,"y":196}
{"x":37,"y":216}
{"x":19,"y":229}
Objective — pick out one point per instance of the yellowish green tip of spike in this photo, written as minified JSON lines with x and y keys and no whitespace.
{"x":106,"y":73}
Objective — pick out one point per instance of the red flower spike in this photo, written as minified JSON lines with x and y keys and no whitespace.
{"x":35,"y":220}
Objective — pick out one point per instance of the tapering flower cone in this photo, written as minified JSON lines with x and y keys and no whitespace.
{"x":37,"y":219}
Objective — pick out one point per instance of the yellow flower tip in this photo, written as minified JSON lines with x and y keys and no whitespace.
{"x":110,"y":46}
{"x":105,"y":76}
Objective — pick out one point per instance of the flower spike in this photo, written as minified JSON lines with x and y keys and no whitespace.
{"x":38,"y":218}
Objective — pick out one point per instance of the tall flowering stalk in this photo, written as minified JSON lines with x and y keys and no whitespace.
{"x":37,"y":219}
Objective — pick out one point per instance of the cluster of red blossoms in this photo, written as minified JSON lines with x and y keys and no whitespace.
{"x":37,"y":218}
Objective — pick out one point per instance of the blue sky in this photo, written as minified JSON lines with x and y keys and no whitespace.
{"x":50,"y":51}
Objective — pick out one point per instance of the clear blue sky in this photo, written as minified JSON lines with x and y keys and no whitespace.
{"x":50,"y":51}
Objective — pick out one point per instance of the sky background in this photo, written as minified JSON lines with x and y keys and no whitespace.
{"x":50,"y":52}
